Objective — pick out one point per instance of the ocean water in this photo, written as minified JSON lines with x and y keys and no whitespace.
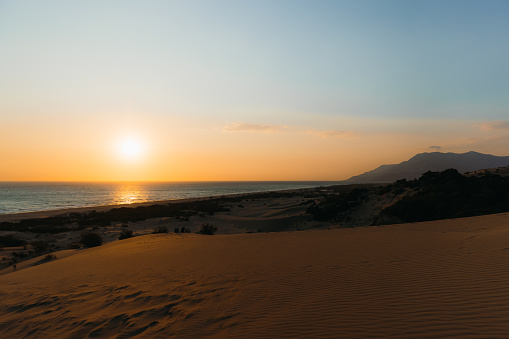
{"x":16,"y":197}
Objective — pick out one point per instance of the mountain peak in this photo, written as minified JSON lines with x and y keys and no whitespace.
{"x":432,"y":161}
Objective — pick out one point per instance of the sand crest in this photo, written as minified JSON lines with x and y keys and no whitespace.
{"x":432,"y":279}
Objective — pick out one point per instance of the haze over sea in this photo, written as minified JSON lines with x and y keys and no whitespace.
{"x":17,"y":197}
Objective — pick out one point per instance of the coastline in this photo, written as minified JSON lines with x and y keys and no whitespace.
{"x":12,"y":217}
{"x":61,"y":229}
{"x":269,"y":211}
{"x":22,"y":197}
{"x":271,"y":270}
{"x":99,"y":208}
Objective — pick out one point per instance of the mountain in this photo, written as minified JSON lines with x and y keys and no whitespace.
{"x":434,"y":161}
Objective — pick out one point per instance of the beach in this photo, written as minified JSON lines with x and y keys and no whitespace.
{"x":254,"y":169}
{"x":433,"y":279}
{"x":232,"y":214}
{"x":33,"y":196}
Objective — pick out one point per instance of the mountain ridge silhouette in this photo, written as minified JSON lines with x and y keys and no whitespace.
{"x":431,"y":161}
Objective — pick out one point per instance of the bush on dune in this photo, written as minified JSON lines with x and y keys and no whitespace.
{"x":91,"y":239}
{"x":11,"y":241}
{"x":49,"y":257}
{"x":40,"y":246}
{"x":125,"y":234}
{"x":449,"y":194}
{"x":333,"y":205}
{"x":160,"y":229}
{"x":208,"y":229}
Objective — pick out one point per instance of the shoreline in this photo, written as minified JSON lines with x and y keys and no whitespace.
{"x":254,"y":212}
{"x":41,"y":196}
{"x":10,"y":217}
{"x":99,"y":208}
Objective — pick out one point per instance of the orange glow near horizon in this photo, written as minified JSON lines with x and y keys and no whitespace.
{"x":163,"y":149}
{"x":94,"y":93}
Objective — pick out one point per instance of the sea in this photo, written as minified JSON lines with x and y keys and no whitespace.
{"x":17,"y":197}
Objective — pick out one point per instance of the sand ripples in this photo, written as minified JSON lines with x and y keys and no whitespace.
{"x":408,"y":281}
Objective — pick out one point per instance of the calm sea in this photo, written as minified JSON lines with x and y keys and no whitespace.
{"x":16,"y":197}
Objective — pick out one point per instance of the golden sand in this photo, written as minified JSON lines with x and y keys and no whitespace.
{"x":432,"y":279}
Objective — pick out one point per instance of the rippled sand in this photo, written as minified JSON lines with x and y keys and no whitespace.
{"x":432,"y":279}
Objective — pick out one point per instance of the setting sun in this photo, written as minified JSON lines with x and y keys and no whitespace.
{"x":130,"y":148}
{"x":256,"y":168}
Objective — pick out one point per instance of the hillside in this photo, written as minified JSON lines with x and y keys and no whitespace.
{"x":434,"y":196}
{"x":435,"y":161}
{"x":502,"y":171}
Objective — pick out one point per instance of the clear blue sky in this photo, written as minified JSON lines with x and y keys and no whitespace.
{"x":356,"y":66}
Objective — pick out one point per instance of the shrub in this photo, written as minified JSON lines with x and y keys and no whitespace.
{"x":20,"y":254}
{"x":40,"y":246}
{"x":75,"y":245}
{"x":125,"y":234}
{"x":11,"y":241}
{"x":333,"y":205}
{"x":208,"y":229}
{"x":160,"y":229}
{"x":49,"y":229}
{"x":91,"y":239}
{"x":448,"y":194}
{"x":49,"y":257}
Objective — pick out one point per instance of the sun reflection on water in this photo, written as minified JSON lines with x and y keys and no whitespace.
{"x":129,"y":194}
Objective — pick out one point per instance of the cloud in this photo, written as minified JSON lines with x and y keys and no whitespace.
{"x":334,"y":134}
{"x":494,"y":126}
{"x":263,"y":128}
{"x":249,"y":127}
{"x":436,"y":148}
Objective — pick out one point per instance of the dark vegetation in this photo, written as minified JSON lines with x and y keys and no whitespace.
{"x":434,"y":196}
{"x":22,"y":254}
{"x":307,"y":193}
{"x":61,"y":223}
{"x":40,"y":246}
{"x":333,"y":205}
{"x":208,"y":229}
{"x":127,"y":214}
{"x":160,"y":229}
{"x":125,"y":234}
{"x":181,"y":210}
{"x":445,"y":195}
{"x":75,"y":245}
{"x":47,"y":257}
{"x":80,"y":221}
{"x":51,"y":225}
{"x":91,"y":239}
{"x":11,"y":241}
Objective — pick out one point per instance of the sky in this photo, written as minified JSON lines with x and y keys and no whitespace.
{"x":246,"y":90}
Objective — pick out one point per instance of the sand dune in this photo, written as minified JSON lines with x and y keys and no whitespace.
{"x":432,"y":279}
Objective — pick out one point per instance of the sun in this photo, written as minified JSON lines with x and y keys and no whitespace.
{"x":130,"y":148}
